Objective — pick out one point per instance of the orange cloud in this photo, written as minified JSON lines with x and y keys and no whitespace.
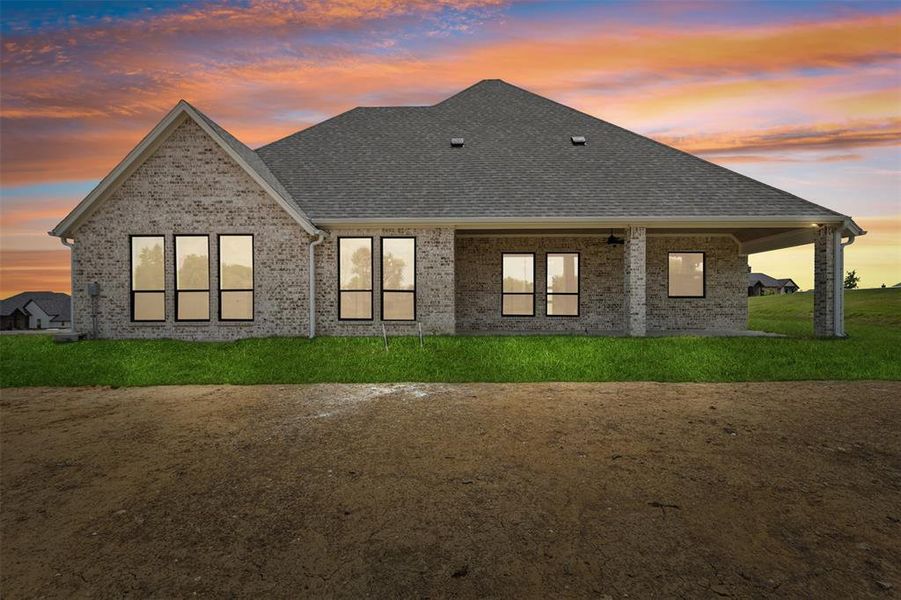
{"x":12,"y":218}
{"x":775,"y":158}
{"x":829,"y":136}
{"x":27,"y":270}
{"x":869,"y":103}
{"x":60,"y":123}
{"x":272,"y":17}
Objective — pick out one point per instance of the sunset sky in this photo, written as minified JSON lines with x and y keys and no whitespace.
{"x":804,"y":96}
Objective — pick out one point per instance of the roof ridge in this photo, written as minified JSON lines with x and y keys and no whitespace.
{"x":478,"y":83}
{"x":310,"y":128}
{"x":659,"y":143}
{"x":389,"y":162}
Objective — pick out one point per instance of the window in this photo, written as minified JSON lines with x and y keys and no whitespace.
{"x":518,"y":296}
{"x":355,"y":278}
{"x":563,"y":284}
{"x":686,"y":275}
{"x":148,"y":278}
{"x":192,"y":278}
{"x":398,"y":279}
{"x":236,"y":277}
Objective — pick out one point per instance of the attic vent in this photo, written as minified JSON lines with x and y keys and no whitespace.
{"x":457,"y":142}
{"x":578,"y":140}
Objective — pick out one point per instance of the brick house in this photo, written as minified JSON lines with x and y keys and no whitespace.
{"x":35,"y":310}
{"x":495,"y":210}
{"x":761,"y":284}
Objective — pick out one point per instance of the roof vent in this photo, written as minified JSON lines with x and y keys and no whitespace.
{"x":578,"y":140}
{"x":457,"y":142}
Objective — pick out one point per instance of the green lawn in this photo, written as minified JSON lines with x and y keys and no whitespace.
{"x":872,"y":351}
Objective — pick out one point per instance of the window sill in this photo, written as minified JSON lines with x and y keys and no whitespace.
{"x":191,"y":323}
{"x":236,"y":323}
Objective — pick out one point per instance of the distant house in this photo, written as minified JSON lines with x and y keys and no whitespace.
{"x":36,"y":310}
{"x":761,"y":284}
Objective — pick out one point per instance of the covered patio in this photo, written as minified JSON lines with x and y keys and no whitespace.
{"x":665,"y":277}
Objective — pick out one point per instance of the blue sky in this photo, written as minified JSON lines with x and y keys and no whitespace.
{"x":802,"y":95}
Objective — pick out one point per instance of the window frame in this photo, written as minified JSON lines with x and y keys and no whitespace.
{"x":131,"y":278}
{"x":371,"y":289}
{"x":703,"y":274}
{"x":532,"y":293}
{"x":577,"y":293}
{"x":208,"y":276}
{"x":382,"y":277}
{"x":253,"y":277}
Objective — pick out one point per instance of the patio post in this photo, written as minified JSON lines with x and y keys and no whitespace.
{"x":827,"y":281}
{"x":635,"y":278}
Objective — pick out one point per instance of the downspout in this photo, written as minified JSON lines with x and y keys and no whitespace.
{"x":312,"y":270}
{"x":71,"y":247}
{"x":840,"y":284}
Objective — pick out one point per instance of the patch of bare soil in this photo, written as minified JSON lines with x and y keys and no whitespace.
{"x":565,"y":490}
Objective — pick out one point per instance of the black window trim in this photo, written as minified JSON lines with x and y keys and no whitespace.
{"x":253,"y":275}
{"x":371,"y":289}
{"x":703,"y":274}
{"x":577,"y":293}
{"x":131,"y":278}
{"x":175,"y":275}
{"x":382,"y":277}
{"x":532,"y":293}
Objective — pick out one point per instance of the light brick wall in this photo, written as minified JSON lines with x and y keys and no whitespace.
{"x":191,"y":186}
{"x":478,"y":288}
{"x":434,"y":283}
{"x":602,"y":283}
{"x":726,"y":303}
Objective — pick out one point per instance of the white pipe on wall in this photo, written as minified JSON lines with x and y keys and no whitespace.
{"x":840,"y":283}
{"x":71,"y":247}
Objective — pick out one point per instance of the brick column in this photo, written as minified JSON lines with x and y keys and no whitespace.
{"x":824,"y":275}
{"x":635,"y":278}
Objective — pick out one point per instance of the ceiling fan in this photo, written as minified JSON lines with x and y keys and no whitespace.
{"x":615,"y":241}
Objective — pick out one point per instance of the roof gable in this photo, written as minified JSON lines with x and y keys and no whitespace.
{"x":241,"y":154}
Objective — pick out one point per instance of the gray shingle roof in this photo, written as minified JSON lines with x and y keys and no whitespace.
{"x":766,"y":281}
{"x":518,"y":162}
{"x":55,"y":304}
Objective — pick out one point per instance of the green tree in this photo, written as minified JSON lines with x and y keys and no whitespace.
{"x":361,"y":268}
{"x":236,"y":277}
{"x":194,"y":273}
{"x":393,"y":273}
{"x":148,"y":272}
{"x":851,"y":280}
{"x":514,"y":284}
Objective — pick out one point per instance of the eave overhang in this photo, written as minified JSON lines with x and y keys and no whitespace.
{"x":798,"y":230}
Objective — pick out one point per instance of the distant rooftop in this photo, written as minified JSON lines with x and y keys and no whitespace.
{"x":55,"y":304}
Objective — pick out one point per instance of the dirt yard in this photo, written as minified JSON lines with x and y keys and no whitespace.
{"x":564,"y":490}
